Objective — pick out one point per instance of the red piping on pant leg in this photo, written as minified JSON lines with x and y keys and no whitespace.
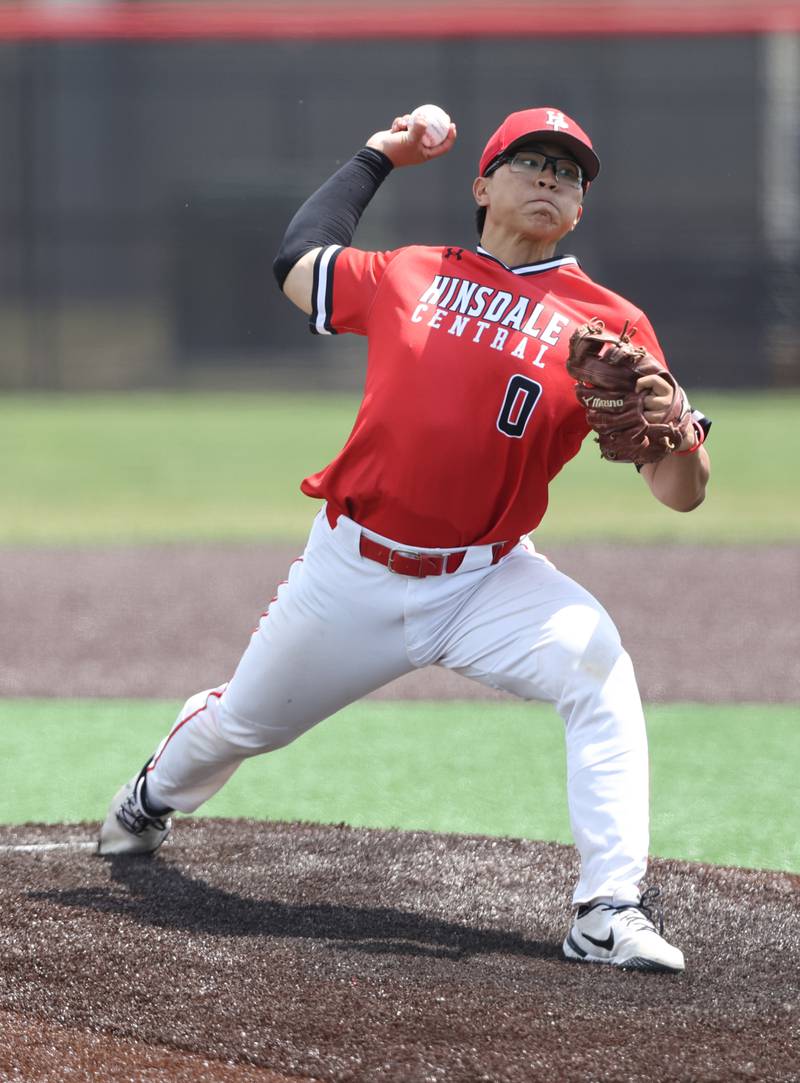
{"x":283,"y":582}
{"x":181,"y":724}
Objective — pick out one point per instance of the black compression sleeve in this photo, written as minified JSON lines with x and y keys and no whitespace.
{"x":331,"y":215}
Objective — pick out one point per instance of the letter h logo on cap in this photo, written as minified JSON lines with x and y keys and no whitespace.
{"x":556,"y":120}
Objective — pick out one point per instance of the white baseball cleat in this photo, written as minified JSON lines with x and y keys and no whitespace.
{"x":130,"y":827}
{"x":623,"y":934}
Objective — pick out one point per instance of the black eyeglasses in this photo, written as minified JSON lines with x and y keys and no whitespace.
{"x":534,"y":162}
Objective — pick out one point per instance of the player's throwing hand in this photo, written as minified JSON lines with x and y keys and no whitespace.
{"x":407,"y":141}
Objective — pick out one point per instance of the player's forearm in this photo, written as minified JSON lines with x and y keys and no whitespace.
{"x":331,"y":214}
{"x":679,"y":481}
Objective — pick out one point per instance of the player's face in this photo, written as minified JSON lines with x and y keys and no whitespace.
{"x":544,"y":204}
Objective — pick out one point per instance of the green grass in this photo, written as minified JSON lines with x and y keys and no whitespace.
{"x":155,"y":467}
{"x":723,"y":777}
{"x":149,"y":467}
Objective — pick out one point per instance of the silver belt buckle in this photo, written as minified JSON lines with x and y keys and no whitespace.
{"x":407,"y":553}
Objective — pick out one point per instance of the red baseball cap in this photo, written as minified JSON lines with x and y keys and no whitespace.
{"x":552,"y":125}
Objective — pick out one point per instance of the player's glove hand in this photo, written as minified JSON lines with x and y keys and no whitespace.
{"x":608,"y":369}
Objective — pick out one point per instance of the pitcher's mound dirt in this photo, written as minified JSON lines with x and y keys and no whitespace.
{"x":273,"y":952}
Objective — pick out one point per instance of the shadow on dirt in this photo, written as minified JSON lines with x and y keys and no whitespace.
{"x":157,"y":893}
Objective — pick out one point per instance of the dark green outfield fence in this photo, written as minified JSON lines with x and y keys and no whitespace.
{"x":146,"y":176}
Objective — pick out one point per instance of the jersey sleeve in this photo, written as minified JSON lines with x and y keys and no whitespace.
{"x":346,"y":281}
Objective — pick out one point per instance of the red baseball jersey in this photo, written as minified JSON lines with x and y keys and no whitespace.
{"x":468,"y":411}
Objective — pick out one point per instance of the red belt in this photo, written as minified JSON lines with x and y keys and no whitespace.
{"x":414,"y":564}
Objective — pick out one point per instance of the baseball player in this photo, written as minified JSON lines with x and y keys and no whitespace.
{"x":420,"y":553}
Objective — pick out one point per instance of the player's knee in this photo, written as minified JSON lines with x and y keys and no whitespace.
{"x":253,"y":735}
{"x":201,"y":702}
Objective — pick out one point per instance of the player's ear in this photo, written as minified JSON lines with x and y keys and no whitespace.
{"x":578,"y":216}
{"x":480,"y":191}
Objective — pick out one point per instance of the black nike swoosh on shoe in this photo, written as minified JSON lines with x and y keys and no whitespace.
{"x":608,"y":943}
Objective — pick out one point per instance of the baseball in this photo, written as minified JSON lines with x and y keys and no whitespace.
{"x":437,"y":122}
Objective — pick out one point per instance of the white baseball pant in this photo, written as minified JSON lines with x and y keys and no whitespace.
{"x":342,"y":626}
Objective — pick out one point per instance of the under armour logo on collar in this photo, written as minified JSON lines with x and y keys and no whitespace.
{"x":449,"y":253}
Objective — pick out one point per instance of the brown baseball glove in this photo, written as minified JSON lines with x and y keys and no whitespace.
{"x":607,"y":368}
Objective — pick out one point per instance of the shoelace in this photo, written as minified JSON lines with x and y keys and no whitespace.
{"x":650,"y":903}
{"x":642,"y":915}
{"x":135,"y":820}
{"x":648,"y":912}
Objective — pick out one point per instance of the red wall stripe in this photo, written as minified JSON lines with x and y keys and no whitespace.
{"x":175,"y":22}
